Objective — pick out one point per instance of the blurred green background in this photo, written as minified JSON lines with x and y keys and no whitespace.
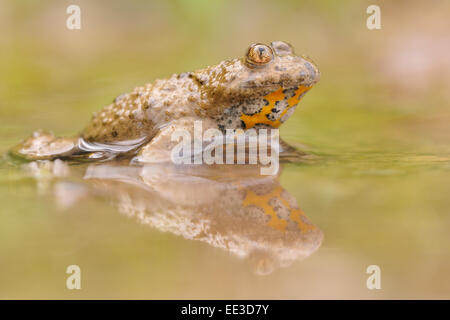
{"x":378,"y":122}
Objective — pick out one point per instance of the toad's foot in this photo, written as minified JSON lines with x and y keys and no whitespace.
{"x":45,"y":146}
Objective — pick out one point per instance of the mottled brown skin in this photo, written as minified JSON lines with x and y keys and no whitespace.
{"x":259,"y":90}
{"x":233,"y":208}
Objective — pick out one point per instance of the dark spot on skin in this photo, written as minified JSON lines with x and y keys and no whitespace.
{"x":198,"y":81}
{"x":266,"y":102}
{"x":289,"y":93}
{"x":277,"y":102}
{"x":221,"y":127}
{"x":243,"y":124}
{"x":114,"y":134}
{"x":230,"y":121}
{"x":275,"y":110}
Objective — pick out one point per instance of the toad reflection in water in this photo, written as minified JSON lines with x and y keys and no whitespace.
{"x":230,"y":207}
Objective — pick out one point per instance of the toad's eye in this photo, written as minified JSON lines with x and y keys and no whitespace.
{"x":258,"y":54}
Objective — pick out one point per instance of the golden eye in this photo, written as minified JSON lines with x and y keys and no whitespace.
{"x":259,"y":54}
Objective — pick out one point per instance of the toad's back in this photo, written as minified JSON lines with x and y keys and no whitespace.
{"x":142,"y":112}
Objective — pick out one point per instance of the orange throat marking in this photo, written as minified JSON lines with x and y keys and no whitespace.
{"x":273,"y":97}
